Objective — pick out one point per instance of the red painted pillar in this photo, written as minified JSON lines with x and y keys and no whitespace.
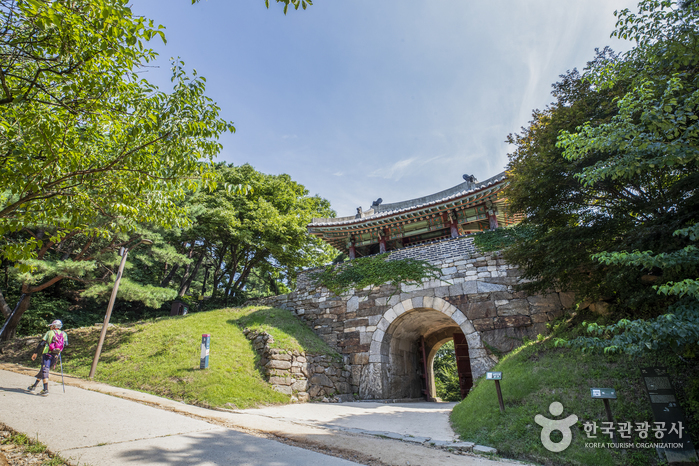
{"x":492,"y":219}
{"x":454,"y":225}
{"x":352,"y":253}
{"x":382,"y":242}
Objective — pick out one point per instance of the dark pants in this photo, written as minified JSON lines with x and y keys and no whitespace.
{"x":47,"y":361}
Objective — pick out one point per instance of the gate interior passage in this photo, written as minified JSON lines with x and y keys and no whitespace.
{"x":463,"y":363}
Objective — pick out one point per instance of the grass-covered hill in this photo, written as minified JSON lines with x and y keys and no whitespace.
{"x":538,"y":373}
{"x":162,"y":356}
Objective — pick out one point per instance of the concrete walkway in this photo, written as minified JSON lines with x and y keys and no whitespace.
{"x":131,"y":427}
{"x":93,"y":428}
{"x":417,"y":419}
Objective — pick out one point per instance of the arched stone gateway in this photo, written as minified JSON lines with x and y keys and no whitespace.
{"x":378,"y":330}
{"x":394,"y":370}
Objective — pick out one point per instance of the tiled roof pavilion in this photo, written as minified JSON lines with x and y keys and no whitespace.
{"x":466,"y":208}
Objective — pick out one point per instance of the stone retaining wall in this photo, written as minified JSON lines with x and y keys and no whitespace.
{"x":304,"y":376}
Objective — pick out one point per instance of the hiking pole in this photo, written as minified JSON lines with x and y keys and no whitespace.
{"x":64,"y":382}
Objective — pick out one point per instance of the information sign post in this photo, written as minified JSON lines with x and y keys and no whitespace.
{"x":205,"y":342}
{"x":497,"y":377}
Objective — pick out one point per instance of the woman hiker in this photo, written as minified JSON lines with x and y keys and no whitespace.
{"x":52,"y":344}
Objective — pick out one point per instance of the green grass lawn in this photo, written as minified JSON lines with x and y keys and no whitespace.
{"x":538,"y":374}
{"x":162,"y":356}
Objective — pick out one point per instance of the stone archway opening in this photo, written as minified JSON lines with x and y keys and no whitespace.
{"x":411,"y":343}
{"x":404,"y":343}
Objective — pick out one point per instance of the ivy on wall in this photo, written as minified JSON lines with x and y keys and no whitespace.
{"x":501,"y":238}
{"x":374,"y":271}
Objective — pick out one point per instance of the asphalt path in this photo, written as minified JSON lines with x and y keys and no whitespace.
{"x":92,"y":428}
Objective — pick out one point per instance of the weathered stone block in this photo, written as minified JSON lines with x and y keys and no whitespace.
{"x":540,"y":317}
{"x":546,"y":303}
{"x":281,"y":357}
{"x":480,"y":309}
{"x":322,"y":380}
{"x":455,"y":290}
{"x":474,"y":341}
{"x":353,"y":304}
{"x":274,"y":364}
{"x":441,"y":292}
{"x":504,"y":339}
{"x":281,"y":380}
{"x":483,"y":324}
{"x":315,"y":391}
{"x":567,"y":300}
{"x":282,"y":389}
{"x":511,"y":321}
{"x":513,"y":307}
{"x":485,"y":287}
{"x":343,"y":387}
{"x":348,"y":342}
{"x":501,"y":295}
{"x":469,"y":287}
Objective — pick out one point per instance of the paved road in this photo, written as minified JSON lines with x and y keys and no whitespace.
{"x":97,"y":429}
{"x":418,"y":419}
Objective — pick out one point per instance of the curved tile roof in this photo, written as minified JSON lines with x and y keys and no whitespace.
{"x":387,"y":210}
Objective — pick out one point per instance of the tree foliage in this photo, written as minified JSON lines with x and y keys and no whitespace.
{"x":446,"y":375}
{"x":261,"y":231}
{"x":375,"y":271}
{"x":82,"y":137}
{"x":618,"y":221}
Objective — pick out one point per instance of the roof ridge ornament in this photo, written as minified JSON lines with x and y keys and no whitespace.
{"x":470,"y":178}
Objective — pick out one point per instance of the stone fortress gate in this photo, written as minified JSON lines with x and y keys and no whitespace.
{"x":388,"y":338}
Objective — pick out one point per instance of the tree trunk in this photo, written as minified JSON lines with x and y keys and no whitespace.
{"x":187,"y":267}
{"x":217,"y":275}
{"x":4,"y":308}
{"x":228,"y":286}
{"x":188,"y":281}
{"x":9,"y":330}
{"x":273,"y":284}
{"x":168,"y":279}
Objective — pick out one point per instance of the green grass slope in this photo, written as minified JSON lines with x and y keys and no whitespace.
{"x":162,"y":356}
{"x":537,"y":374}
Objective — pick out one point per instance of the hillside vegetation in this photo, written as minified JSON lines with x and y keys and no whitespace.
{"x":162,"y":356}
{"x":538,"y":373}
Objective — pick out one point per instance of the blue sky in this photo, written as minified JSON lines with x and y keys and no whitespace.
{"x":359,"y":99}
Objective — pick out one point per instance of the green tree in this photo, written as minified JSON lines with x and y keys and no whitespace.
{"x":446,"y":375}
{"x":87,"y":260}
{"x":261,"y":232}
{"x":89,"y":149}
{"x":82,"y":136}
{"x":607,"y":177}
{"x":652,"y":142}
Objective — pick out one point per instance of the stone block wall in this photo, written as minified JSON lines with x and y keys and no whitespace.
{"x":376,"y":329}
{"x":304,"y":376}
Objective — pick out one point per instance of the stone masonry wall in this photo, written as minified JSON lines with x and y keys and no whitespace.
{"x":304,"y":376}
{"x":371,"y":327}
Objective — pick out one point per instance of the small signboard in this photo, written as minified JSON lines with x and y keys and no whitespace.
{"x":669,"y":417}
{"x":493,"y":375}
{"x":603,"y":393}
